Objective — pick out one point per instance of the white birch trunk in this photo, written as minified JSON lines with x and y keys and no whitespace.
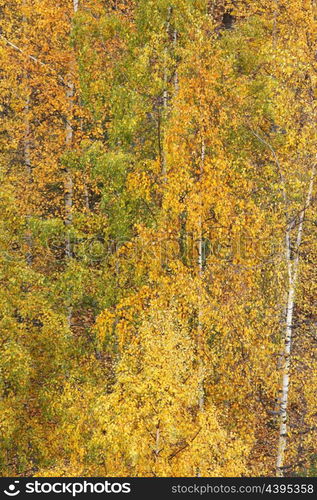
{"x":69,"y":140}
{"x":27,"y":155}
{"x":293,"y":271}
{"x":200,"y":229}
{"x":157,"y":441}
{"x":200,"y":273}
{"x":284,"y":391}
{"x":86,"y":194}
{"x":176,"y":83}
{"x":201,"y":371}
{"x":68,"y":185}
{"x":165,"y":92}
{"x":27,"y":163}
{"x":165,"y":75}
{"x":27,"y":152}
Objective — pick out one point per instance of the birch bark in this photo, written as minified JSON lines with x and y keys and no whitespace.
{"x":293,"y":273}
{"x":28,"y":166}
{"x":165,"y":91}
{"x":26,"y":144}
{"x":200,"y":273}
{"x":68,"y":184}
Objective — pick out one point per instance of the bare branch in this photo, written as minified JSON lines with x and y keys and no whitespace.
{"x":35,"y":59}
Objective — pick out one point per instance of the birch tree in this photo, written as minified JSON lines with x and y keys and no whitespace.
{"x":165,"y":324}
{"x":293,"y":276}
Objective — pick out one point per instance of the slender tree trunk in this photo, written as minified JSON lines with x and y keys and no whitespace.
{"x":200,"y":273}
{"x":157,"y":441}
{"x":27,"y":154}
{"x":293,"y":272}
{"x":176,"y":83}
{"x":68,"y":184}
{"x":165,"y":91}
{"x":275,"y":22}
{"x":201,"y":371}
{"x":86,"y":195}
{"x":28,"y":166}
{"x":284,"y":391}
{"x":165,"y":75}
{"x":27,"y":147}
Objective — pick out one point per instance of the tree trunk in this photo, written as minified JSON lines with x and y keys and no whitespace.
{"x":200,"y":273}
{"x":165,"y":91}
{"x":293,"y":271}
{"x":27,"y":149}
{"x":176,"y":83}
{"x":68,"y":184}
{"x":284,"y":391}
{"x":27,"y":163}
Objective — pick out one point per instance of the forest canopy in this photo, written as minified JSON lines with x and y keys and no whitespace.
{"x":158,"y":238}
